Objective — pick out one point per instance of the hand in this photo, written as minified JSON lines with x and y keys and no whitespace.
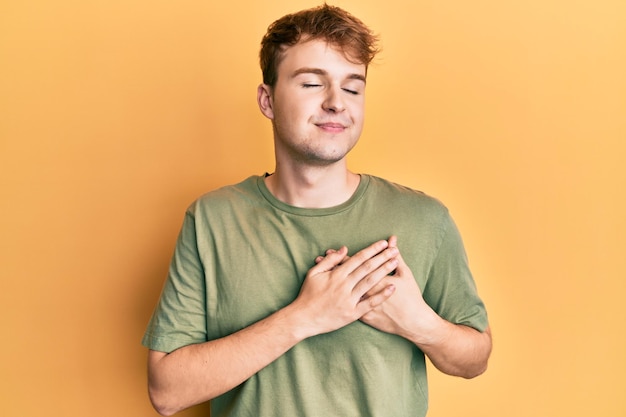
{"x":452,"y":348}
{"x":401,"y":314}
{"x":333,"y":291}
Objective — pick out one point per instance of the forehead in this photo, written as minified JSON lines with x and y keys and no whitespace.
{"x":317,"y":53}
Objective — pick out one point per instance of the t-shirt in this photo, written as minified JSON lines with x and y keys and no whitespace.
{"x":242,"y":254}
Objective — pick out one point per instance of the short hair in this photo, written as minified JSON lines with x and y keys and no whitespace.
{"x":330,"y":23}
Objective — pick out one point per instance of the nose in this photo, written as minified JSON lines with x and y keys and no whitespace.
{"x":333,"y":101}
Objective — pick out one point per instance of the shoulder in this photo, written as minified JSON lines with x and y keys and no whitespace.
{"x":406,"y":198}
{"x":241,"y":194}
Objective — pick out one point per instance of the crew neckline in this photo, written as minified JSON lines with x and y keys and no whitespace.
{"x":301,"y":211}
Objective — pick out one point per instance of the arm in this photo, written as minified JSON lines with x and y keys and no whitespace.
{"x":330,"y":298}
{"x":197,"y":373}
{"x":454,"y":349}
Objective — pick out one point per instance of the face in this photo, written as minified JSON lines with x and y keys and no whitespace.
{"x":317,"y":104}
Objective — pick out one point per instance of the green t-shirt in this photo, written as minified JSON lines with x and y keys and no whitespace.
{"x":242,"y":255}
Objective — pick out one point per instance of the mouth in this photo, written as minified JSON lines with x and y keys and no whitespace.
{"x":331,"y":127}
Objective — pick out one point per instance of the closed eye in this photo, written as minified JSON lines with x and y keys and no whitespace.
{"x":347,"y":90}
{"x":307,"y":85}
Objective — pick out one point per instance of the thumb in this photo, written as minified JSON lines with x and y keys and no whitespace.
{"x":402,"y":266}
{"x":331,"y":260}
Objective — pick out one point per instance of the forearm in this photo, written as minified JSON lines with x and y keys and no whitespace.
{"x":452,"y":348}
{"x":330,"y":298}
{"x":197,"y":373}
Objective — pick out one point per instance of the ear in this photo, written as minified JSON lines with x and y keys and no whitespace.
{"x":264,"y":99}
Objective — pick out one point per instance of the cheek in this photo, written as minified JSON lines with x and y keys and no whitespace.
{"x":358,"y":113}
{"x":292,"y":109}
{"x":287,"y":119}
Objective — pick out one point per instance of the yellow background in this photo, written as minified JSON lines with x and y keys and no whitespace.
{"x":115,"y":115}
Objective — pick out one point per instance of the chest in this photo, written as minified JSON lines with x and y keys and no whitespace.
{"x":256,"y":263}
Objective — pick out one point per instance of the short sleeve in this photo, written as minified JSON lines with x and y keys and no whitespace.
{"x":450,"y":289}
{"x":179,"y":318}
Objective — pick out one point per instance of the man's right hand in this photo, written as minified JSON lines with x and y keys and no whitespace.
{"x":331,"y":297}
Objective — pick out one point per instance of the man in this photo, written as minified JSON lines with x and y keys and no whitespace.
{"x":314,"y":291}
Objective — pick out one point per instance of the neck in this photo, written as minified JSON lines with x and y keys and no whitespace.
{"x":315,"y":187}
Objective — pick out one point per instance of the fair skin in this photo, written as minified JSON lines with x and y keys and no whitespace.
{"x":317,"y":108}
{"x":317,"y":112}
{"x":453,"y":349}
{"x":332,"y":296}
{"x":314,"y":171}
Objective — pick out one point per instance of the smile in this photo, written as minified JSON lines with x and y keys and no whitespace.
{"x":331,"y":127}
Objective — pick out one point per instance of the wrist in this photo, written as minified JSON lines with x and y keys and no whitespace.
{"x":428,"y":329}
{"x":295,"y":322}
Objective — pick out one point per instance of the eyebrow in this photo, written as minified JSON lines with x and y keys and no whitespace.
{"x":320,"y":71}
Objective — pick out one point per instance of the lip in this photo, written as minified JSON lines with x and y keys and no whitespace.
{"x":331,"y":126}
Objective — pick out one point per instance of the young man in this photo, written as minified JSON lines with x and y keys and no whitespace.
{"x":314,"y":291}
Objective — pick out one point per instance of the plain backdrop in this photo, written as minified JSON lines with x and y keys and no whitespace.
{"x":115,"y":115}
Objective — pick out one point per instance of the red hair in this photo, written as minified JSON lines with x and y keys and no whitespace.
{"x":332,"y":24}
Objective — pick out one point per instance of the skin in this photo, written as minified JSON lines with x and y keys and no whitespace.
{"x":331,"y":297}
{"x":453,"y":349}
{"x":317,"y":111}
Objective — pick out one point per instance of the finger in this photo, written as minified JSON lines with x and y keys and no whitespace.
{"x":403,"y":269}
{"x":328,"y":262}
{"x":372,"y":264}
{"x":371,"y":280}
{"x":393,"y":242}
{"x":368,"y":304}
{"x":329,"y":251}
{"x":363,"y":256}
{"x":377,"y":288}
